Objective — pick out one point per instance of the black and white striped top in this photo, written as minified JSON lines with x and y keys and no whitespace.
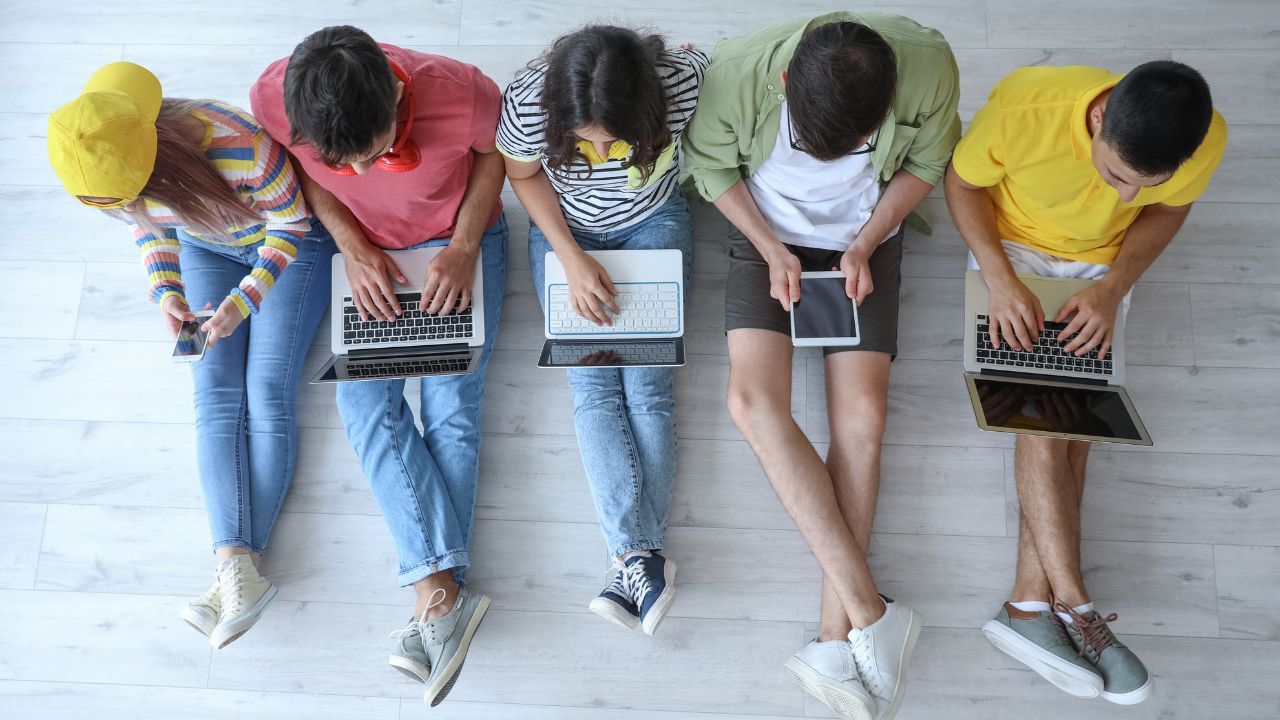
{"x":605,"y":199}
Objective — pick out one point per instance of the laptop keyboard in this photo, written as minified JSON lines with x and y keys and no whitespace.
{"x":412,"y":326}
{"x":634,"y":354}
{"x":404,"y":368}
{"x":644,"y":308}
{"x":1046,"y":355}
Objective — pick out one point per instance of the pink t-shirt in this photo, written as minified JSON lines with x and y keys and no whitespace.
{"x":456,"y":110}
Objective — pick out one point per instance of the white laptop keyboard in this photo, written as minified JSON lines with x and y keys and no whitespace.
{"x":657,"y":353}
{"x":644,"y":308}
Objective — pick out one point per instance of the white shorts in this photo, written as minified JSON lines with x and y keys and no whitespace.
{"x":1026,"y":259}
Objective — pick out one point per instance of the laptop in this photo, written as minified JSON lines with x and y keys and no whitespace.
{"x":416,"y":344}
{"x":646,"y":332}
{"x":1047,"y":391}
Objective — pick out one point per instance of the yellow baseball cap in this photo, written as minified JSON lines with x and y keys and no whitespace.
{"x":103,"y":143}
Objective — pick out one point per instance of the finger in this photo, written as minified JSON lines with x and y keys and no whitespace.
{"x":1022,"y":333}
{"x":1071,"y":306}
{"x":438,"y":299}
{"x":996,"y":325}
{"x":1075,"y":326}
{"x":793,"y":284}
{"x":1039,"y":314}
{"x":466,"y":300}
{"x":606,"y":300}
{"x":1095,"y":339}
{"x":379,"y":305}
{"x":780,"y":291}
{"x":1089,"y":329}
{"x":450,"y":301}
{"x":865,"y":285}
{"x":1106,"y":344}
{"x":607,"y":283}
{"x":387,"y":300}
{"x":596,"y":309}
{"x":360,"y":296}
{"x":394,"y":270}
{"x":850,"y":281}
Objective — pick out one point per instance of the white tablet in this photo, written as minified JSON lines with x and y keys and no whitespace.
{"x":825,"y":315}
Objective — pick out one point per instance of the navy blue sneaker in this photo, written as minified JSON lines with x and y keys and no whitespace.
{"x":651,"y":582}
{"x":614,"y":602}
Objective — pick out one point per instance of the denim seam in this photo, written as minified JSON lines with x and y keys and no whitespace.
{"x":404,"y":469}
{"x":242,"y":437}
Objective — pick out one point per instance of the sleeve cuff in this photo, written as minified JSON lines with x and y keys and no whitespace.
{"x":242,"y":301}
{"x":166,"y":294}
{"x":517,"y":158}
{"x":711,"y":184}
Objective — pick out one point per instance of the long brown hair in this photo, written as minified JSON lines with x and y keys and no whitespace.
{"x":608,"y":77}
{"x":185,"y":182}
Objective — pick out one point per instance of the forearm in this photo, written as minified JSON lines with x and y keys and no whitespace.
{"x":903,"y":193}
{"x":737,"y":205}
{"x":483,"y":186}
{"x":337,"y":218}
{"x":540,"y":201}
{"x":1149,"y":235}
{"x":975,"y":217}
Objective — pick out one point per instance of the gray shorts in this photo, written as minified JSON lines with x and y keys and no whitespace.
{"x":747,"y":303}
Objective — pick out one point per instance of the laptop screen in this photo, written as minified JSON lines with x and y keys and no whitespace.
{"x":1054,"y":408}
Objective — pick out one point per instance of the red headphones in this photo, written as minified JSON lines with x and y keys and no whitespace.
{"x":403,"y":155}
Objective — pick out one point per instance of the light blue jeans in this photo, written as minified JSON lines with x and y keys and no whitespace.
{"x":625,"y":417}
{"x":425,"y":483}
{"x":246,"y":387}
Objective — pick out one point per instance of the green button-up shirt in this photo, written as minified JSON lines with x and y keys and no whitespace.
{"x":739,"y":109}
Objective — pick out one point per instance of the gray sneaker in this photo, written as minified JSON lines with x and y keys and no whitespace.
{"x":1126,"y":679}
{"x":407,"y":654}
{"x":446,"y":641}
{"x":1039,"y":641}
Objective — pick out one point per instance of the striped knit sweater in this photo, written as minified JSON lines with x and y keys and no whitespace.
{"x":258,"y":169}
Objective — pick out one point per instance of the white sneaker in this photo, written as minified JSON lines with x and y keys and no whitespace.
{"x":244,"y":594}
{"x":202,"y":613}
{"x":881,"y":652}
{"x":826,"y":670}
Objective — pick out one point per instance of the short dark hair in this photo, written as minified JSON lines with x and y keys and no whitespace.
{"x":339,"y":93}
{"x":1157,"y":116}
{"x":605,"y":76}
{"x":840,"y":85}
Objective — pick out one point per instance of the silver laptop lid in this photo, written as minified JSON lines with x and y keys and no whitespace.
{"x":1053,"y":294}
{"x":414,"y":328}
{"x":397,"y":364}
{"x":1055,"y":408}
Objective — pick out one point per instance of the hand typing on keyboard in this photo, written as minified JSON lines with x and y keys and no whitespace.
{"x":1094,"y":322}
{"x":591,"y":290}
{"x":1016,"y":315}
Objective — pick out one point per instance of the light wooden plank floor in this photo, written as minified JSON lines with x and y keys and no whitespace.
{"x":102,"y":535}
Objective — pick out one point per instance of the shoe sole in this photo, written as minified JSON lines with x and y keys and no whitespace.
{"x":660,"y":607}
{"x":224,"y":636}
{"x":410,"y":667}
{"x":913,"y":634}
{"x":610,"y":611}
{"x":1133,"y":697}
{"x":833,"y":694}
{"x":454,"y":668}
{"x":203,"y":622}
{"x":1063,"y":675}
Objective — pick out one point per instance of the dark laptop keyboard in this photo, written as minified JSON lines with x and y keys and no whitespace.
{"x":413,"y":325}
{"x":361,"y":370}
{"x":1047,"y":354}
{"x":631,"y":354}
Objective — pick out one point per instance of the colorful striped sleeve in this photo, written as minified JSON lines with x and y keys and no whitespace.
{"x":160,"y":260}
{"x":274,"y":192}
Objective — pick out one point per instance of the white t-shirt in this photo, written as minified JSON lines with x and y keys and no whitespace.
{"x":812,"y":203}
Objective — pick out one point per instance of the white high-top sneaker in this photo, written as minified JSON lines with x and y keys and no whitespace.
{"x":881,"y":652}
{"x":826,"y":670}
{"x":202,"y":613}
{"x":244,"y":595}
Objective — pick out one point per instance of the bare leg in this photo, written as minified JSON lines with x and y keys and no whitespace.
{"x":760,"y":405}
{"x":1031,"y":582}
{"x":428,"y":589}
{"x":857,"y":396}
{"x":1049,"y":491}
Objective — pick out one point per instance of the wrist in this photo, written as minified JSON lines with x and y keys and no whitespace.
{"x":1112,"y":286}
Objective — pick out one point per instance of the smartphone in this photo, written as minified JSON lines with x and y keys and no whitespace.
{"x":191,"y":342}
{"x":825,"y":315}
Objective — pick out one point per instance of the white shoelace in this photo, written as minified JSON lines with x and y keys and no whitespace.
{"x":231,"y":577}
{"x":635,"y":581}
{"x":864,"y":660}
{"x":420,"y":624}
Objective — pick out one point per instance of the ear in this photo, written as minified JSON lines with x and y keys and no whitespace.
{"x":783,"y":75}
{"x":399,"y":91}
{"x":1095,"y":118}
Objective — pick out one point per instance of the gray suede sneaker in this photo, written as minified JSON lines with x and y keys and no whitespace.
{"x":446,"y":641}
{"x":1125,"y":678}
{"x":1039,"y":641}
{"x":407,"y":654}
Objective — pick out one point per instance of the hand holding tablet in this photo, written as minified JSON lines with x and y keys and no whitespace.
{"x":825,"y":315}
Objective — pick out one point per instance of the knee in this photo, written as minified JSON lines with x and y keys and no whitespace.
{"x":750,"y":406}
{"x":859,"y":421}
{"x":1038,"y":447}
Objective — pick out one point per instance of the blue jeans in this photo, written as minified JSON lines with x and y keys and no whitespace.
{"x":246,"y":387}
{"x":425,"y":483}
{"x":625,"y":417}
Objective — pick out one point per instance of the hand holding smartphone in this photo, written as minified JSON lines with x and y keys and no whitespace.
{"x":191,"y":342}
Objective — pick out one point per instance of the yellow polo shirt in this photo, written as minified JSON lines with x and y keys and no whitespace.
{"x":1030,"y":147}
